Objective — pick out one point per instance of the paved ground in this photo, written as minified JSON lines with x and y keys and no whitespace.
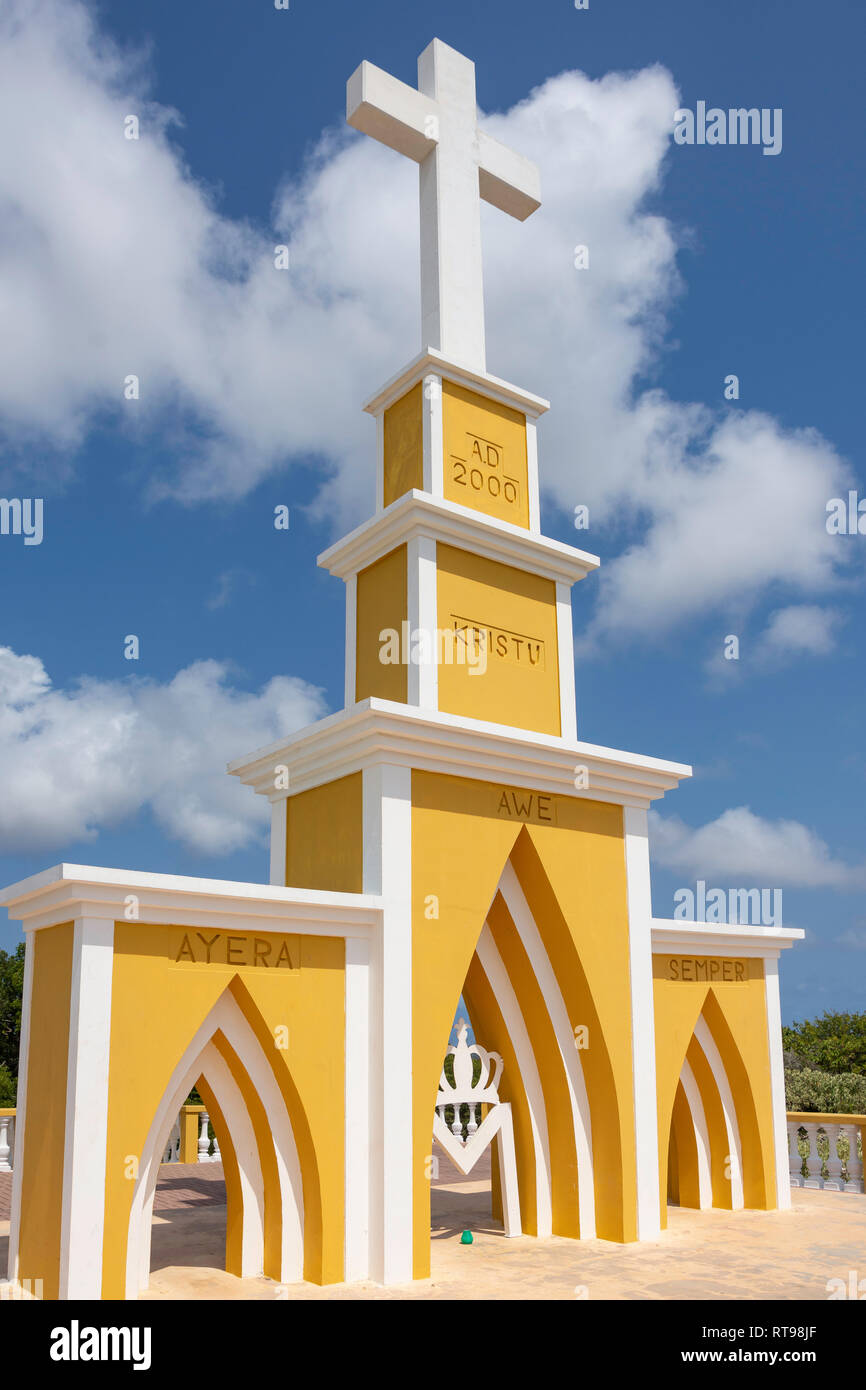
{"x":716,"y":1255}
{"x":179,"y":1186}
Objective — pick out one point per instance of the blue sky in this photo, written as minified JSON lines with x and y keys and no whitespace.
{"x":155,"y":258}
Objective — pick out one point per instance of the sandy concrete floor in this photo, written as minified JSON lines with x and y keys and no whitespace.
{"x":715,"y":1255}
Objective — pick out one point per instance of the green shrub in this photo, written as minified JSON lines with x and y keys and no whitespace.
{"x":11,"y":990}
{"x":835,"y":1042}
{"x":793,"y":1061}
{"x":8,"y":1088}
{"x":825,"y":1093}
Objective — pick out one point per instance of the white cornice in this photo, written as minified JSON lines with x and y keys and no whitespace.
{"x":381,"y":731}
{"x":721,"y":939}
{"x":68,"y":891}
{"x":463,"y":375}
{"x":420,"y":514}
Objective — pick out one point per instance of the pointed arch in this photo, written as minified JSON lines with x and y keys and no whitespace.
{"x":493,"y":1031}
{"x":598,"y":1118}
{"x":697,"y":1115}
{"x":682,"y":1155}
{"x":238,"y":1072}
{"x":245,"y":1194}
{"x":734,"y":1156}
{"x":553,"y":909}
{"x":231,"y":1177}
{"x":757,"y":1159}
{"x":525,"y":1064}
{"x":516,"y":999}
{"x":689,"y":1161}
{"x":711,"y":1135}
{"x":568,"y":1055}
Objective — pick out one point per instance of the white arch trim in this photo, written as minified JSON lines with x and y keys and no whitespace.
{"x":702,"y":1135}
{"x":212,"y":1066}
{"x":735,"y":1156}
{"x":230,"y":1099}
{"x":527,"y":928}
{"x":227,"y":1018}
{"x":494,"y":968}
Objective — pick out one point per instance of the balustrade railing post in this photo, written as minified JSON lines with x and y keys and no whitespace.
{"x":833,"y":1181}
{"x":843,"y":1174}
{"x":7,"y":1123}
{"x":814,"y":1162}
{"x":849,"y":1134}
{"x":795,"y":1162}
{"x":854,"y":1165}
{"x":203,"y":1140}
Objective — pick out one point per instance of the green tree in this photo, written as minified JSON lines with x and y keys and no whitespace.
{"x":11,"y":993}
{"x":843,"y":1093}
{"x":8,"y":1088}
{"x":834,"y":1043}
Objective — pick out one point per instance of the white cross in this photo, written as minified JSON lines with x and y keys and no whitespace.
{"x":437,"y":126}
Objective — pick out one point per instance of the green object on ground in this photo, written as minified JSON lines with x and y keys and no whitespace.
{"x":466,"y":1238}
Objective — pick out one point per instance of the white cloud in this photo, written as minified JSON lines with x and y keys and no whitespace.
{"x":247,"y":367}
{"x":76,"y":761}
{"x":227,"y":586}
{"x":772,"y":853}
{"x":801,"y":629}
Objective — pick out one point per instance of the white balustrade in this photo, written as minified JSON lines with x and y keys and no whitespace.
{"x":835,"y":1171}
{"x":833,"y":1181}
{"x":207,"y":1149}
{"x":7,"y":1142}
{"x":203,"y":1140}
{"x":172,"y":1148}
{"x":853,"y":1163}
{"x":814,"y":1162}
{"x":795,"y":1162}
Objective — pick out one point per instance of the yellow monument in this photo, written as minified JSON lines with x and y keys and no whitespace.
{"x":444,"y":834}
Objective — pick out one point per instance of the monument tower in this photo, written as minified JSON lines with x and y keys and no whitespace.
{"x":446,"y":833}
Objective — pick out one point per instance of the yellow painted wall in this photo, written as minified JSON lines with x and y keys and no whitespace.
{"x":485,"y":464}
{"x":714,"y":1115}
{"x":45,"y":1119}
{"x":569,"y":856}
{"x":381,"y":603}
{"x":683,"y":1180}
{"x":324,"y":837}
{"x":734,"y":1008}
{"x":573,"y":876}
{"x":232,"y":1178}
{"x":189,"y":1132}
{"x":554,"y":1081}
{"x":490,"y":1030}
{"x":404,"y":445}
{"x":158,"y":1003}
{"x":516,"y":612}
{"x":273,"y":1223}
